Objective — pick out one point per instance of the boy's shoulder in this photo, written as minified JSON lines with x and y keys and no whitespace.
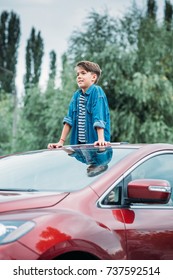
{"x":97,"y":88}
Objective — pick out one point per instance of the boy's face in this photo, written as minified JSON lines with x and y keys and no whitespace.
{"x":85,"y":79}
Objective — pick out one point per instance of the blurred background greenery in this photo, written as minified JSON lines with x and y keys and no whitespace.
{"x":135,"y":54}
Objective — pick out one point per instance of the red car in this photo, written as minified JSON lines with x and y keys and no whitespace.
{"x":85,"y":202}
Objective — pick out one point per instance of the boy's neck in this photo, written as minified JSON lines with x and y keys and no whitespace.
{"x":85,"y":89}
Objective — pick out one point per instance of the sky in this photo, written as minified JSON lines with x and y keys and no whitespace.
{"x":56,"y":20}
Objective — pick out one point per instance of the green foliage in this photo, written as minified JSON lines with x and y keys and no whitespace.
{"x":31,"y":129}
{"x":6,"y":113}
{"x":147,"y":117}
{"x":98,"y":33}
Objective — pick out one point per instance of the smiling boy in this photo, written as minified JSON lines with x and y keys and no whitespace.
{"x":88,"y":116}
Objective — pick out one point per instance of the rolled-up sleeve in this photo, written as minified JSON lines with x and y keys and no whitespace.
{"x":100,"y":124}
{"x":100,"y":110}
{"x":69,"y":117}
{"x":68,"y":120}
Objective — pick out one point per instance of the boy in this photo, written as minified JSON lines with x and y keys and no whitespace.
{"x":88,"y":116}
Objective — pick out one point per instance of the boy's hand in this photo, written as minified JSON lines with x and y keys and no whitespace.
{"x":101,"y":143}
{"x":55,"y":145}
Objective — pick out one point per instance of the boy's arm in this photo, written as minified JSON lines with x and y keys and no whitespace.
{"x":101,"y":117}
{"x":64,"y":134}
{"x":101,"y":140}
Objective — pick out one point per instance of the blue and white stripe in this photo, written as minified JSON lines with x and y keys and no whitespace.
{"x":81,"y":119}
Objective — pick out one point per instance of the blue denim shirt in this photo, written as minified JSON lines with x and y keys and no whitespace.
{"x":97,"y":114}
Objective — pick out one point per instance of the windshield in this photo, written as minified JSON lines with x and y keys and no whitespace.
{"x":60,"y":170}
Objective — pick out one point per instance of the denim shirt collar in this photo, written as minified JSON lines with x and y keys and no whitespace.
{"x":88,"y":91}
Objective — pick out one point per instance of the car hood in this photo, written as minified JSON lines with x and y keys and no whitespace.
{"x":14,"y":200}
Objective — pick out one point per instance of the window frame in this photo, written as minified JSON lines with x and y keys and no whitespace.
{"x":124,"y":187}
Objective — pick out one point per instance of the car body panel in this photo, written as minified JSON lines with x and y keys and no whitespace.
{"x":150,"y":235}
{"x":80,"y":228}
{"x":17,"y":251}
{"x":21,"y":200}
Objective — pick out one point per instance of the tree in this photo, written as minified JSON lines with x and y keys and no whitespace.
{"x":52,"y":73}
{"x":34,"y":56}
{"x":52,"y":69}
{"x":9,"y":44}
{"x":99,"y":32}
{"x":151,"y":9}
{"x":6,"y":117}
{"x":168,"y":15}
{"x":32,"y":131}
{"x":143,"y":113}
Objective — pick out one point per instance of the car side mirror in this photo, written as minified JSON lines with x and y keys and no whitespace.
{"x":148,"y":191}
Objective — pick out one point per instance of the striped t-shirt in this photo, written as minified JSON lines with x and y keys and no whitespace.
{"x":81,"y":119}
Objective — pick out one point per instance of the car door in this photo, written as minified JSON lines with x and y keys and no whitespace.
{"x":150,"y":234}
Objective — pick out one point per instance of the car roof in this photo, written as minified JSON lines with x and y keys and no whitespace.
{"x":143,"y":147}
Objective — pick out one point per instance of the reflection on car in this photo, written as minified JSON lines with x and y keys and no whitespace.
{"x":96,"y":159}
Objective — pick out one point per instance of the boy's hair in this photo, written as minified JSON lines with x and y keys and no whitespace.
{"x":90,"y":66}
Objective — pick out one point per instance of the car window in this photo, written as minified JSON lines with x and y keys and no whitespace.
{"x":157,"y":167}
{"x":114,"y":196}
